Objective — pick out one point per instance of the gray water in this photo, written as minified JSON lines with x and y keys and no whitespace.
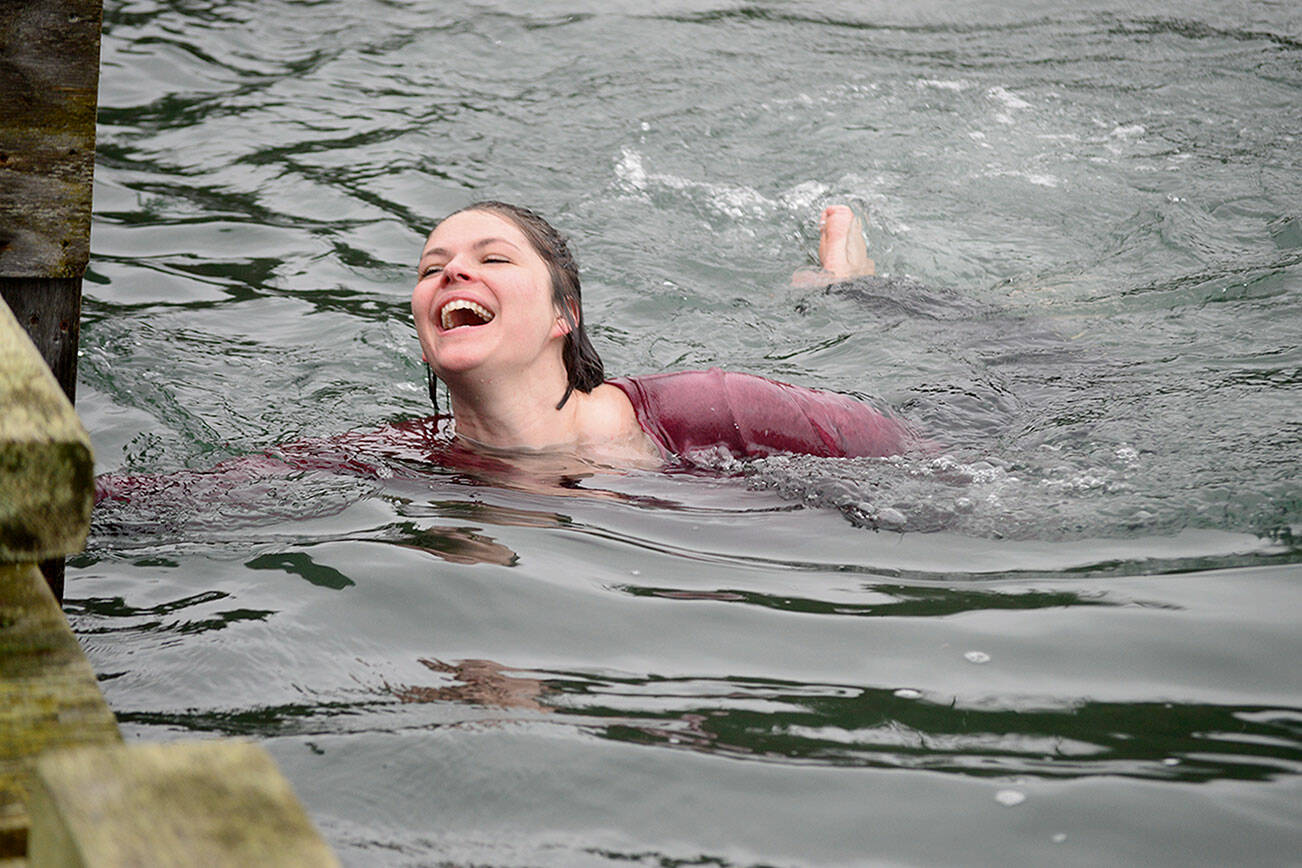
{"x":1069,"y":636}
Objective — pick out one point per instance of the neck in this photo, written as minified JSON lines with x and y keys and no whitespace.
{"x":516,"y":414}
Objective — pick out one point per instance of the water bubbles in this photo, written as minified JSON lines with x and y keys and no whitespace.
{"x":1007,"y":98}
{"x":891,"y":519}
{"x":955,"y":85}
{"x":1086,"y":482}
{"x":803,"y":195}
{"x":630,"y":170}
{"x":1010,"y":798}
{"x":976,"y":657}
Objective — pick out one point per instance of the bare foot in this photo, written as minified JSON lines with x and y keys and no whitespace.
{"x":842,"y":252}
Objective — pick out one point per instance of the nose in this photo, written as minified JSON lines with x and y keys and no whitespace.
{"x":457,"y":271}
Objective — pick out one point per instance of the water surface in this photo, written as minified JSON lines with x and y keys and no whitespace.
{"x":1068,"y":637}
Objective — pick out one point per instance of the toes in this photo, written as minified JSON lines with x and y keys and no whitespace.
{"x":836,"y":222}
{"x":834,"y":233}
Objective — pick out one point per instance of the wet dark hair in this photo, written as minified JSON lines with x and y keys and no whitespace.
{"x":583,"y":367}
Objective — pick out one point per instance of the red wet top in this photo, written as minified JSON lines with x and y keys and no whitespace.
{"x":753,"y":416}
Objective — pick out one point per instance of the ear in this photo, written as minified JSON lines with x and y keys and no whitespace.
{"x":562,"y":326}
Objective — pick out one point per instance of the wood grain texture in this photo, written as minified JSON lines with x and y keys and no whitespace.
{"x":49,"y":77}
{"x":209,"y":803}
{"x":46,"y":465}
{"x":49,"y":697}
{"x":49,"y":310}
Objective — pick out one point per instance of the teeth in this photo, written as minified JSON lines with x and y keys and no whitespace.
{"x":462,"y":304}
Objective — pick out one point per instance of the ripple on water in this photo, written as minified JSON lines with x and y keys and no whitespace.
{"x":1090,"y":254}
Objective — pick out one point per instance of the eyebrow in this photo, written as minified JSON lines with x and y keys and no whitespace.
{"x":478,"y":245}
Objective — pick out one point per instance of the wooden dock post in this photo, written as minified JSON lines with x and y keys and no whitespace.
{"x":222,"y":803}
{"x":49,"y":80}
{"x":46,"y":466}
{"x":70,"y":793}
{"x":48,"y":695}
{"x":215,"y":804}
{"x":72,"y":796}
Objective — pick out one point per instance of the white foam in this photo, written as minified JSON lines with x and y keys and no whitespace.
{"x":630,"y":170}
{"x":1007,"y":97}
{"x":1039,"y":179}
{"x":956,"y":85}
{"x":733,"y":201}
{"x":1129,"y":131}
{"x":804,"y":195}
{"x":1010,"y":798}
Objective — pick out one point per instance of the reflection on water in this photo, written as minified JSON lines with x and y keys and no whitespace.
{"x":299,"y":564}
{"x":479,"y":682}
{"x":905,"y":601}
{"x":134,"y":619}
{"x":829,"y":724}
{"x":457,"y":545}
{"x":1087,"y":222}
{"x":875,"y":727}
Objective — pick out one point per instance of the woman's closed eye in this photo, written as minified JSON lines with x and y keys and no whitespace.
{"x":486,"y":259}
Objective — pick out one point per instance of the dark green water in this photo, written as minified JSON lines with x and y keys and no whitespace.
{"x":1070,"y":638}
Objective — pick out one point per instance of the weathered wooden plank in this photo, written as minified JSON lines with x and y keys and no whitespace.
{"x":46,"y":466}
{"x":210,"y":803}
{"x":48,"y":694}
{"x":49,"y":310}
{"x":49,"y":78}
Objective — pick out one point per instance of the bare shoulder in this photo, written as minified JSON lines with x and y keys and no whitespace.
{"x":608,"y":414}
{"x":608,"y":422}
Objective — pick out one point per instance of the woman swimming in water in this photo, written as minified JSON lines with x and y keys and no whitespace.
{"x":499,"y":314}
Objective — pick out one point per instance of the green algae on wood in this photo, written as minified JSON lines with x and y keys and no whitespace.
{"x":46,"y":466}
{"x":49,"y":78}
{"x":49,"y":697}
{"x":210,"y":803}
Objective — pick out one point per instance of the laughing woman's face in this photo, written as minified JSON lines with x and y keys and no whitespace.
{"x":483,"y":300}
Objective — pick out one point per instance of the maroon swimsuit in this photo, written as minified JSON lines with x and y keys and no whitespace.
{"x":753,"y":416}
{"x":685,"y":412}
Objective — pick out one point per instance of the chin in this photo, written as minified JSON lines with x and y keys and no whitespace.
{"x":459,"y":361}
{"x":445,"y":368}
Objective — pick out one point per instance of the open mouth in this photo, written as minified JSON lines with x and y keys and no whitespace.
{"x":462,"y":312}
